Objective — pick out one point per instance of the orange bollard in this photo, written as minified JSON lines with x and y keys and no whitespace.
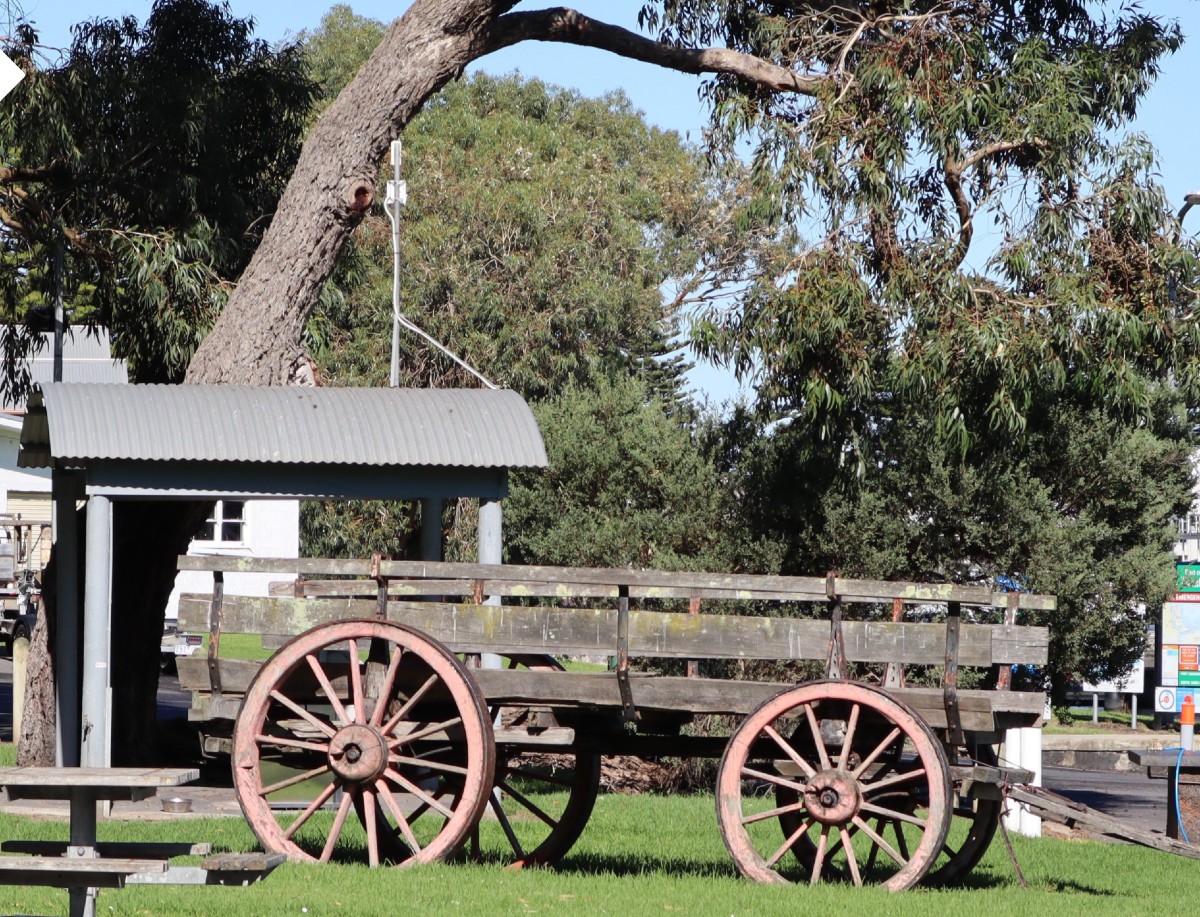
{"x":1187,"y":722}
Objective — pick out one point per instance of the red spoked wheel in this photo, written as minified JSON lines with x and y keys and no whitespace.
{"x":835,"y":764}
{"x":542,"y":798}
{"x":366,"y":715}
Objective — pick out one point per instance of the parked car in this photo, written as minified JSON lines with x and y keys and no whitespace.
{"x":176,"y":644}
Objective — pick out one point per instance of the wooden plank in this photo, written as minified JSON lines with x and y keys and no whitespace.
{"x":982,"y":711}
{"x":576,"y":631}
{"x":243,"y":862}
{"x":102,"y":782}
{"x":64,"y":872}
{"x":1059,"y":809}
{"x":731,"y":585}
{"x":113,"y":849}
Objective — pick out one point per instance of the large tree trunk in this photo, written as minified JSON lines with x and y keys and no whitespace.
{"x":257,"y":338}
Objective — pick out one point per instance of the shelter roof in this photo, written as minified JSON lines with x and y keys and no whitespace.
{"x":71,"y":424}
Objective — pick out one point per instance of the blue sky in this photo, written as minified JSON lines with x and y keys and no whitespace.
{"x":1169,"y":115}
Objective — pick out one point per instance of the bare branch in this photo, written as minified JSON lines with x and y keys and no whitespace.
{"x":566,"y":25}
{"x":954,"y":170}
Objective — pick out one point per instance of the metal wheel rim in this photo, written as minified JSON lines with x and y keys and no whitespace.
{"x":838,"y":793}
{"x":455,"y":777}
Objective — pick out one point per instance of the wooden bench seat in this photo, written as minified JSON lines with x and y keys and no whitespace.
{"x":116,"y":849}
{"x":71,"y":872}
{"x":217,"y":869}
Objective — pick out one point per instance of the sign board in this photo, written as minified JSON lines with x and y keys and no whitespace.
{"x":10,"y":75}
{"x":1181,"y":645}
{"x":1168,"y":699}
{"x":1132,"y":683}
{"x":1187,"y":578}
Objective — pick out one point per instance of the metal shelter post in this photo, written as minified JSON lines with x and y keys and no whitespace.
{"x":96,"y":627}
{"x":65,"y":490}
{"x":491,"y":523}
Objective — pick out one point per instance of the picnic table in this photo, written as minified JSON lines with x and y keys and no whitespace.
{"x":1182,"y":773}
{"x":83,"y":867}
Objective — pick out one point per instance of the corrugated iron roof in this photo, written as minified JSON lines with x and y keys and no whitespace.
{"x":458,"y":428}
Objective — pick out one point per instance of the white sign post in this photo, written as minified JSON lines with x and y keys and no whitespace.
{"x":10,"y":75}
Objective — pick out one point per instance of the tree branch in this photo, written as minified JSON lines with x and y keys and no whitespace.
{"x":954,"y":170}
{"x":566,"y":25}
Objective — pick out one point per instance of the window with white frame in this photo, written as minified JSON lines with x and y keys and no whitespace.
{"x":226,"y":524}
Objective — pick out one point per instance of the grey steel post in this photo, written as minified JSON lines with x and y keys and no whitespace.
{"x":397,"y":197}
{"x":491,"y":521}
{"x":65,"y":528}
{"x":96,"y":609}
{"x":60,"y":316}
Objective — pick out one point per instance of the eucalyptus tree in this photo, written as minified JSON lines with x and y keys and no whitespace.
{"x":1008,"y":101}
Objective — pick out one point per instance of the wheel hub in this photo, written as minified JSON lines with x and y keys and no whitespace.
{"x":358,"y":753}
{"x":832,"y":797}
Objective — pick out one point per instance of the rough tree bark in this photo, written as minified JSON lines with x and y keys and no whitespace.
{"x":257,"y":339}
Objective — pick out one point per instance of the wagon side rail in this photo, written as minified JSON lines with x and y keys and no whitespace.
{"x":470,"y":626}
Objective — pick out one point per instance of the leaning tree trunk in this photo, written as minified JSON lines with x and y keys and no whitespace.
{"x":256,"y":340}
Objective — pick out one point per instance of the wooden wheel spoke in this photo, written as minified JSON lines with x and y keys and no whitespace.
{"x":292,"y":781}
{"x":369,"y":816}
{"x":815,"y":725}
{"x":787,"y":749}
{"x":540,"y":776}
{"x":356,"y":686}
{"x":281,"y":742}
{"x":819,"y":857}
{"x":327,"y":687}
{"x":408,"y":786}
{"x":402,"y":823}
{"x":878,"y":750}
{"x":385,"y":691}
{"x":425,"y":762}
{"x":299,"y":820}
{"x":901,"y":841}
{"x":305,"y":715}
{"x":339,"y":822}
{"x":893,"y":814}
{"x":851,"y":860}
{"x":875,"y":786}
{"x":529,"y":804}
{"x":506,"y":825}
{"x":427,"y":730}
{"x":877,"y":839}
{"x":774,"y":813}
{"x":873,"y":853}
{"x":848,"y":741}
{"x":413,"y":700}
{"x":787,"y":845}
{"x":772,"y":778}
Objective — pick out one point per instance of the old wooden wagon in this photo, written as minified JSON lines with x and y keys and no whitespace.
{"x":414,"y":708}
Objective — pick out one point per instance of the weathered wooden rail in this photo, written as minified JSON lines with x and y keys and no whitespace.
{"x":824,"y":746}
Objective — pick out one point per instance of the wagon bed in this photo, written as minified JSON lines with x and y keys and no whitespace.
{"x":888,"y":765}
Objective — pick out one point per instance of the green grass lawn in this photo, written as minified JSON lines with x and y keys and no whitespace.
{"x":639,"y":855}
{"x":1109,"y":721}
